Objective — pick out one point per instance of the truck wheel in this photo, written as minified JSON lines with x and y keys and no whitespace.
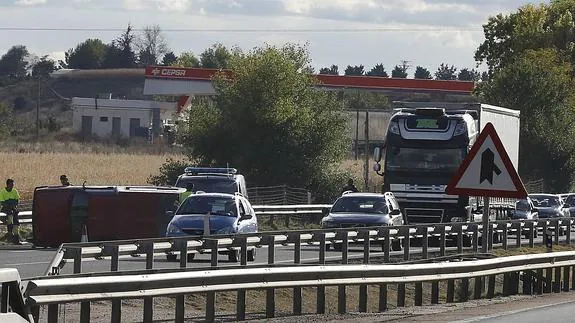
{"x":252,"y":255}
{"x":171,"y":257}
{"x":396,"y":245}
{"x":233,"y":256}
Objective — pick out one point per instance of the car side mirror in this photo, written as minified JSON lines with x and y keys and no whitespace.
{"x":325,"y":211}
{"x":395,"y":212}
{"x":245,"y":216}
{"x":377,"y":167}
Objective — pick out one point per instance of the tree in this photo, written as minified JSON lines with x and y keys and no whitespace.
{"x":187,"y":59}
{"x":422,"y":73}
{"x":354,"y":70}
{"x":169,"y":59}
{"x":466,"y":74}
{"x":217,"y":56}
{"x":539,"y":84}
{"x":444,"y":72}
{"x":530,"y":27}
{"x":6,"y":121}
{"x":125,"y":43}
{"x":151,"y":45}
{"x":89,"y":54}
{"x":15,"y":62}
{"x":44,"y":67}
{"x":269,"y":122}
{"x":332,"y":70}
{"x":400,"y":71}
{"x":377,"y":70}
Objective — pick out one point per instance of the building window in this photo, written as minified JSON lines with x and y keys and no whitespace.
{"x":103,"y":119}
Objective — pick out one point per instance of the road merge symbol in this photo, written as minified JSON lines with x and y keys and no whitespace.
{"x":487,"y":170}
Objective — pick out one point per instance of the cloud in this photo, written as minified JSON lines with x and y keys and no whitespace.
{"x":29,"y":2}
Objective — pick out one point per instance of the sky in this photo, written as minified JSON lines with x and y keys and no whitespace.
{"x":342,"y":32}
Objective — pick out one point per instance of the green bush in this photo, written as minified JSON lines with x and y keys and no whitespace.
{"x":169,"y":172}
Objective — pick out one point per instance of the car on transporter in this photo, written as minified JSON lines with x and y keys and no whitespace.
{"x":358,"y":209}
{"x":202,"y":214}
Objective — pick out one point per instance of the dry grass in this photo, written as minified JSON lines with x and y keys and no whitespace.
{"x":30,"y":170}
{"x":357,"y":169}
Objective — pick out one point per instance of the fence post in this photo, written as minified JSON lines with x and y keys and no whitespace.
{"x":308,"y":197}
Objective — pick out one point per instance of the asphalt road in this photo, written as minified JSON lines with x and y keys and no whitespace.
{"x":34,"y":262}
{"x":557,"y":313}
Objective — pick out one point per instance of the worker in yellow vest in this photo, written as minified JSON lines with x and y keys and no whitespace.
{"x":9,"y":199}
{"x":188,"y":192}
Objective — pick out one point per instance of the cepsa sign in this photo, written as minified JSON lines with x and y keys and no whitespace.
{"x":168,"y":72}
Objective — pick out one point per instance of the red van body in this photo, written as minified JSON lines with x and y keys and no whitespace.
{"x":60,"y":213}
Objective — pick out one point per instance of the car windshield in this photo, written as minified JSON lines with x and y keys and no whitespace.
{"x":522,"y":205}
{"x":210,"y":184}
{"x":208,"y":204}
{"x":360,"y":204}
{"x":545,"y":200}
{"x":424,"y":159}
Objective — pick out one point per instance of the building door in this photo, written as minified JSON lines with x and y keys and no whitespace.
{"x":86,"y":126}
{"x":116,"y":126}
{"x":134,"y":123}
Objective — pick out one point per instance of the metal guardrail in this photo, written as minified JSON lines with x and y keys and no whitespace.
{"x":12,"y":304}
{"x":466,"y":236}
{"x":539,"y":273}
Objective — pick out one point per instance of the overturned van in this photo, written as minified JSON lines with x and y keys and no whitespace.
{"x":65,"y":213}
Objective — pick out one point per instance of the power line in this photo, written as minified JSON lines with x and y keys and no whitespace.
{"x":254,"y":30}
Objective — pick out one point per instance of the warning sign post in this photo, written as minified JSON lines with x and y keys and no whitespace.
{"x":487,"y":171}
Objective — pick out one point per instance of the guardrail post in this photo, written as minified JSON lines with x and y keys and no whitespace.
{"x":540,"y":282}
{"x":491,"y":286}
{"x":435,"y":292}
{"x":519,"y":228}
{"x":459,"y":230}
{"x":450,"y":297}
{"x":341,"y":295}
{"x":478,"y":287}
{"x":548,"y":280}
{"x":113,"y":250}
{"x":53,"y":313}
{"x":504,"y":235}
{"x":442,"y":240}
{"x":241,"y":295}
{"x":404,"y":231}
{"x":464,"y":290}
{"x":475,"y":236}
{"x":211,"y":296}
{"x":532,"y":230}
{"x":573,"y":277}
{"x":557,"y":280}
{"x":320,"y":299}
{"x":568,"y":233}
{"x":149,"y":301}
{"x":297,"y":294}
{"x":424,"y":243}
{"x":182,"y":246}
{"x":270,"y":292}
{"x":386,"y":245}
{"x":84,"y":306}
{"x":566,"y":278}
{"x":363,"y":287}
{"x":557,"y":224}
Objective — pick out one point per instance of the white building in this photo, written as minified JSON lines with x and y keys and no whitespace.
{"x":119,"y":118}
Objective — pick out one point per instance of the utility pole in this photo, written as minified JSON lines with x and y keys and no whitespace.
{"x":38,"y":110}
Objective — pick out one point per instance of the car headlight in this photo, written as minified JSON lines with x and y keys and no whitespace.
{"x":458,"y":219}
{"x":394,"y":127}
{"x":460,"y":129}
{"x":172,"y":229}
{"x":226,"y":230}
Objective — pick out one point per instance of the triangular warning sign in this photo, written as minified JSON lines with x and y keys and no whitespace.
{"x":487,"y":170}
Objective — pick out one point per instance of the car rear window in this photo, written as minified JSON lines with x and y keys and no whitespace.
{"x":360,"y":204}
